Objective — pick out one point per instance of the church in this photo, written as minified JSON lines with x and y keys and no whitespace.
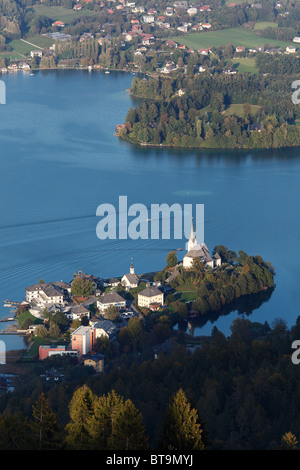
{"x":130,"y":280}
{"x":199,"y":250}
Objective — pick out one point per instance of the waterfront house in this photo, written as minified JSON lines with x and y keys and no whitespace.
{"x":45,"y":295}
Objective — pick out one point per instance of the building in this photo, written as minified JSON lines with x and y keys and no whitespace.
{"x":82,"y":340}
{"x":148,"y":19}
{"x":47,"y":294}
{"x":150,"y":295}
{"x":130,"y":280}
{"x":105,"y":328}
{"x":199,"y":251}
{"x":291,"y":49}
{"x":94,"y":360}
{"x":58,"y":23}
{"x":77,"y":312}
{"x":36,"y":53}
{"x":54,"y":350}
{"x":110,"y":299}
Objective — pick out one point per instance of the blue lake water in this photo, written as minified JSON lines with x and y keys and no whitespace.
{"x":59,"y":159}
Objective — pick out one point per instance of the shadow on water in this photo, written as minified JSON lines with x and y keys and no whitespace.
{"x":230,"y":156}
{"x":243,"y":306}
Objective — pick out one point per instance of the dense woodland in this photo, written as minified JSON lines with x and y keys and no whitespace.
{"x":243,"y":390}
{"x":198,"y":117}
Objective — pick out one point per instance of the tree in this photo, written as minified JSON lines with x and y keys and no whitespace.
{"x":81,"y":287}
{"x":181,"y":427}
{"x":129,"y":432}
{"x":111,"y":313}
{"x":44,"y":425}
{"x":289,"y":442}
{"x":81,"y":409}
{"x":171,"y":259}
{"x":14,"y":432}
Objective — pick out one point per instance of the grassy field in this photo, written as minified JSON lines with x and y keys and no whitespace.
{"x":21,"y":49}
{"x":261,"y":25}
{"x":234,"y":36}
{"x":59,"y":13}
{"x":245,"y":64}
{"x":238,"y":110}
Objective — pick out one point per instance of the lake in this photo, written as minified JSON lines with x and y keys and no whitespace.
{"x":60,"y":159}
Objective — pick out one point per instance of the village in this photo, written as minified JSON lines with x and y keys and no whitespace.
{"x":141,"y":33}
{"x":96,"y":308}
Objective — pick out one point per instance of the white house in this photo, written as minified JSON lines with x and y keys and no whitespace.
{"x":291,"y":49}
{"x":150,"y":295}
{"x":110,"y":299}
{"x":296,"y":39}
{"x":148,"y":19}
{"x":44,"y":295}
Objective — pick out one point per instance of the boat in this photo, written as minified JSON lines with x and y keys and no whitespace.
{"x":7,"y":305}
{"x":179,"y":249}
{"x":107,"y":71}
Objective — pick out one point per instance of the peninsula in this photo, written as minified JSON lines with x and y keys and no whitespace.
{"x":81,"y":316}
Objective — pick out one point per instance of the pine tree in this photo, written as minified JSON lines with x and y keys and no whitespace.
{"x":44,"y":428}
{"x":81,"y":409}
{"x":128,"y":432}
{"x":101,"y":423}
{"x":289,"y":442}
{"x":181,"y":427}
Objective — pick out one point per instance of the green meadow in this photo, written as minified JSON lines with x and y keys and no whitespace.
{"x":59,"y":13}
{"x":234,"y":36}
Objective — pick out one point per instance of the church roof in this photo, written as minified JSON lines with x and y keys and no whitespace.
{"x":132,"y":278}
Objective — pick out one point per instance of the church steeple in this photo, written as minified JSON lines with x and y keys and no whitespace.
{"x":131,"y":267}
{"x":192,"y":240}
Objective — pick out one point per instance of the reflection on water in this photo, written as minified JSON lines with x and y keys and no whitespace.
{"x":244,"y":306}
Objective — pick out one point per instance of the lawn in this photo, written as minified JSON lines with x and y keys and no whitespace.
{"x":59,"y":13}
{"x":238,"y":110}
{"x":245,"y":64}
{"x":22,"y":48}
{"x":234,"y":36}
{"x":260,"y":25}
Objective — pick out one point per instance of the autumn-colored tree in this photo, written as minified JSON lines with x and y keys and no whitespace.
{"x":289,"y":442}
{"x":116,"y":425}
{"x":128,"y":432}
{"x":81,"y":409}
{"x":181,"y":426}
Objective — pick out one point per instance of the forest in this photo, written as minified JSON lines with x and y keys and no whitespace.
{"x":235,"y":392}
{"x":197,"y":111}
